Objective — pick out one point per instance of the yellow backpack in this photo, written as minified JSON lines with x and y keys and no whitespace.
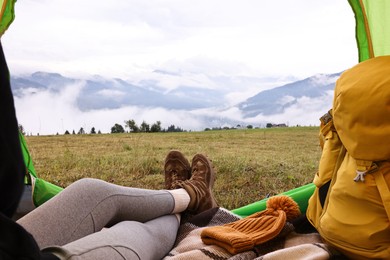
{"x":350,"y":207}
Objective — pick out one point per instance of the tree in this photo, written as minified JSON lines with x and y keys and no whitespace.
{"x":132,"y":126}
{"x":73,"y":132}
{"x":156,"y":127}
{"x":67,"y":132}
{"x":269,"y":125}
{"x":81,"y":131}
{"x":172,"y":128}
{"x":249,"y":126}
{"x":99,"y":132}
{"x":93,"y":130}
{"x":117,"y":128}
{"x":144,"y":127}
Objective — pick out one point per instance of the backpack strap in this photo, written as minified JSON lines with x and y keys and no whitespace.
{"x":384,"y":191}
{"x":326,"y":127}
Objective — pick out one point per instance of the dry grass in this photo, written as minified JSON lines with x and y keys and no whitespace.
{"x":250,"y":163}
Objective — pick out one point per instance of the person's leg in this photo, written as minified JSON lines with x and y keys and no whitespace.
{"x":88,"y":205}
{"x":126,"y":240}
{"x":113,"y":204}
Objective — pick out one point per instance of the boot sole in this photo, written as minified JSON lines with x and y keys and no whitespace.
{"x":176,"y":155}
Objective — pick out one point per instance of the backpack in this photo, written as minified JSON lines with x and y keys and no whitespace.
{"x":350,"y":206}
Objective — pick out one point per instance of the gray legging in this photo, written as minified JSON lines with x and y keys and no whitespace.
{"x":70,"y":225}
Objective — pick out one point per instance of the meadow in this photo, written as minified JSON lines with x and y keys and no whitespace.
{"x":250,"y":163}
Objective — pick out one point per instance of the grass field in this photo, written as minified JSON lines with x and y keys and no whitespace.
{"x":250,"y":164}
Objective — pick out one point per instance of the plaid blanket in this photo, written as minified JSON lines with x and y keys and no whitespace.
{"x":287,"y":245}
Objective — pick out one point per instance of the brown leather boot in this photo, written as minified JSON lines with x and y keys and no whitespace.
{"x":199,"y":187}
{"x":176,"y":168}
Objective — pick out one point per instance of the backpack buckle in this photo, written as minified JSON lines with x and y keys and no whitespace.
{"x":364,"y":167}
{"x":359,"y":176}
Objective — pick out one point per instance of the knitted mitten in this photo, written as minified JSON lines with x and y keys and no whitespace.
{"x":242,"y":235}
{"x":199,"y":187}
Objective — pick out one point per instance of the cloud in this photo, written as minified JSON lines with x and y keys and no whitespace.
{"x":305,"y":111}
{"x":111,"y":93}
{"x":236,"y":47}
{"x":323,"y":79}
{"x":172,"y":81}
{"x":47,"y":112}
{"x":120,"y":38}
{"x":285,"y":100}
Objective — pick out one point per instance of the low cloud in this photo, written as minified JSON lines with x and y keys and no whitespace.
{"x":324,"y":79}
{"x":46,"y":112}
{"x":304,"y":112}
{"x":112,"y":93}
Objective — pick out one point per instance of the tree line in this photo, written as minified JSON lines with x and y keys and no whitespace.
{"x":133,"y":128}
{"x":153,"y":128}
{"x":144,"y":127}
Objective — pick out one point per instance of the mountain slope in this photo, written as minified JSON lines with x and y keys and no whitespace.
{"x":276,"y":100}
{"x":101,"y":93}
{"x":291,"y":103}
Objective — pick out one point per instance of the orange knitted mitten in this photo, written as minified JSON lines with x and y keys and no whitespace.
{"x":242,"y":235}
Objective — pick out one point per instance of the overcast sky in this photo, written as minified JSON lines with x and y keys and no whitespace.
{"x":196,"y":39}
{"x":126,"y":37}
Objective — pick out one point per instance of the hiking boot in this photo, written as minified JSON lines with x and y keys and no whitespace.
{"x":176,"y":168}
{"x":199,"y":187}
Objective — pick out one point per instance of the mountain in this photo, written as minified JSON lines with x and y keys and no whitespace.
{"x":277,"y":100}
{"x":198,"y":101}
{"x":101,"y":93}
{"x":39,"y":81}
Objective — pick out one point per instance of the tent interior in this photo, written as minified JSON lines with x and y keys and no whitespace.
{"x":372,"y":24}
